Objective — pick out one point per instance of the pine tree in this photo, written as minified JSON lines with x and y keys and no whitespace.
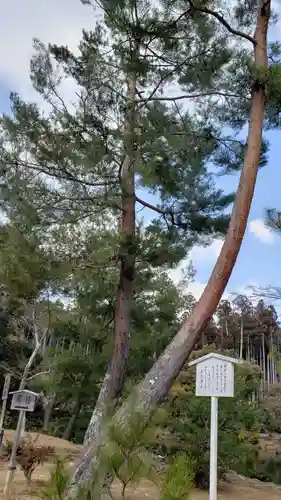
{"x":254,"y":83}
{"x":127,"y":133}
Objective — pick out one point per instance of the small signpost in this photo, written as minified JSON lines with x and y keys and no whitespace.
{"x":22,"y":400}
{"x":214,"y":379}
{"x":5,"y":394}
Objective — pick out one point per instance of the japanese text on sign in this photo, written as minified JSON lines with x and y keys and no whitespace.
{"x":214,"y":378}
{"x":23,"y":401}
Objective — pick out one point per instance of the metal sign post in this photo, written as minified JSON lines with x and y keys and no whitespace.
{"x":5,"y":394}
{"x":22,"y":401}
{"x":214,"y":379}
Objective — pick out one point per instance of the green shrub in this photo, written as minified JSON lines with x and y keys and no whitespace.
{"x":265,"y":469}
{"x":271,"y":406}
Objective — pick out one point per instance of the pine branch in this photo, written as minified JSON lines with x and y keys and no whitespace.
{"x":66,"y":175}
{"x":185,"y":96}
{"x":158,"y":210}
{"x":151,"y":207}
{"x":170,"y":73}
{"x":221,"y":19}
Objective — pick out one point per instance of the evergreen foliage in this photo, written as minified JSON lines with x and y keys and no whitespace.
{"x":127,"y":458}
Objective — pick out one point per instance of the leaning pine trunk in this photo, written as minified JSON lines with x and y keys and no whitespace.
{"x":158,"y":381}
{"x":113,"y":381}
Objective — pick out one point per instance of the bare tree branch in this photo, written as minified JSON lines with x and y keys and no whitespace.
{"x":46,"y":372}
{"x":37,"y":347}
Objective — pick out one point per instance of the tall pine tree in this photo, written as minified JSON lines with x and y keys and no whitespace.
{"x":127,"y":136}
{"x":247,"y":75}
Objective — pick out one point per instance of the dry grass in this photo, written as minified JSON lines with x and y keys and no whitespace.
{"x":62,"y":448}
{"x":238,"y":489}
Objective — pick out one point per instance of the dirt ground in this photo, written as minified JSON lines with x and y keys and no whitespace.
{"x":237,"y":488}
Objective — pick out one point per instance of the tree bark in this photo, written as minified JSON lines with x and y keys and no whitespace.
{"x":263,"y":359}
{"x":71,"y":423}
{"x":159,"y":379}
{"x":36,"y":350}
{"x":48,"y":410}
{"x":241,"y":336}
{"x":113,"y":381}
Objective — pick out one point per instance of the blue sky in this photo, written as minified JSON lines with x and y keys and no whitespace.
{"x":61,"y":22}
{"x":258,"y":261}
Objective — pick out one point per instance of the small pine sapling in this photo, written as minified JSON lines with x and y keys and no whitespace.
{"x":126,"y":456}
{"x":179,"y":479}
{"x":57,"y":487}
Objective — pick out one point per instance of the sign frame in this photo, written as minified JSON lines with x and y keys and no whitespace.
{"x":214,"y":384}
{"x":23,"y":400}
{"x":214,"y":375}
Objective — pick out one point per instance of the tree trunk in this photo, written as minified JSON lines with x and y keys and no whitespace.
{"x":268,"y":371}
{"x":36,"y":350}
{"x":272,"y":358}
{"x":72,"y":421}
{"x":113,"y":381}
{"x":48,"y":410}
{"x":263,"y":360}
{"x":159,"y":379}
{"x":241,"y":336}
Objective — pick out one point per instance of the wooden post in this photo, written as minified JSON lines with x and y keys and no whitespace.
{"x":12,"y":463}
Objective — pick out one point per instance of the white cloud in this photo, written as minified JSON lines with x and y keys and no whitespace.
{"x":199,"y":255}
{"x":51,"y":21}
{"x":196,"y":289}
{"x":209,"y":254}
{"x":261,"y":231}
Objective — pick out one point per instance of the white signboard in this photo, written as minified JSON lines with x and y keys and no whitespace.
{"x":23,"y":400}
{"x":6,"y":387}
{"x":215,"y":377}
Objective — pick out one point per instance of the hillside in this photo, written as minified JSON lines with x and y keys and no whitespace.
{"x":235,"y":488}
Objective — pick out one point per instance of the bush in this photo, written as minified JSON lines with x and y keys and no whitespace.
{"x":266,"y":469}
{"x":28,"y":455}
{"x":272,"y":409}
{"x":7,"y":448}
